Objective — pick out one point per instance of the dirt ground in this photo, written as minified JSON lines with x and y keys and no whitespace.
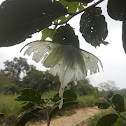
{"x":80,"y":118}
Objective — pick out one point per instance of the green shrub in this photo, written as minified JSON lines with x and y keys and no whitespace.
{"x":84,"y":89}
{"x":11,"y":89}
{"x":86,"y":101}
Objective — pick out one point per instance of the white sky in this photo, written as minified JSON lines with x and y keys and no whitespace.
{"x":112,"y":55}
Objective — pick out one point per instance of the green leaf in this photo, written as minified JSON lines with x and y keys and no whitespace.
{"x":117,"y":9}
{"x":65,"y":34}
{"x":83,"y":1}
{"x":47,"y":32}
{"x":104,"y":105}
{"x":68,"y":95}
{"x":62,"y":19}
{"x":71,"y":6}
{"x":19,"y":19}
{"x":29,"y":95}
{"x":93,"y":26}
{"x":65,"y":105}
{"x":81,"y":6}
{"x":27,"y":106}
{"x":27,"y":116}
{"x":124,"y":35}
{"x":107,"y":120}
{"x":118,"y":102}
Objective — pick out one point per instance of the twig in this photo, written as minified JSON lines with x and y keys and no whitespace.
{"x":76,"y":13}
{"x":115,"y":109}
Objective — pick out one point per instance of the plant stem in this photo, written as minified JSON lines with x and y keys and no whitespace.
{"x":115,"y":109}
{"x":48,"y":119}
{"x":76,"y":13}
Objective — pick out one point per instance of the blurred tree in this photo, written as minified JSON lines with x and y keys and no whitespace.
{"x":108,"y":88}
{"x":41,"y":81}
{"x":11,"y":89}
{"x":84,"y":88}
{"x":17,"y":67}
{"x":5,"y":80}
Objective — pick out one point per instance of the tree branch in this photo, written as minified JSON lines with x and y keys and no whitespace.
{"x":76,"y":13}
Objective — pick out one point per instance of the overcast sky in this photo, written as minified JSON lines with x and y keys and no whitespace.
{"x":112,"y":55}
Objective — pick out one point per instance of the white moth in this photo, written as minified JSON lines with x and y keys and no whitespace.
{"x":65,"y":60}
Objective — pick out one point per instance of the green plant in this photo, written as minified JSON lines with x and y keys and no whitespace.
{"x":117,"y":103}
{"x":86,"y":101}
{"x":10,"y":109}
{"x":11,"y":89}
{"x":83,"y":89}
{"x":34,"y":106}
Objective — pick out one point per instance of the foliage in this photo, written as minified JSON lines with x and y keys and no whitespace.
{"x":117,"y":103}
{"x":5,"y":80}
{"x":108,"y":88}
{"x":34,"y":106}
{"x":41,"y":81}
{"x":85,"y":101}
{"x":84,"y":89}
{"x":94,"y":34}
{"x":35,"y":16}
{"x":11,"y":89}
{"x":18,"y":74}
{"x":12,"y":108}
{"x":46,"y":12}
{"x":17,"y":67}
{"x":93,"y":121}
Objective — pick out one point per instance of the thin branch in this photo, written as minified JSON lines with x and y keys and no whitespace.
{"x":76,"y":13}
{"x":115,"y":109}
{"x":93,"y":5}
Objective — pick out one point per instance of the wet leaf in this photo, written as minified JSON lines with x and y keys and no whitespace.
{"x":93,"y":26}
{"x":19,"y":19}
{"x":65,"y":34}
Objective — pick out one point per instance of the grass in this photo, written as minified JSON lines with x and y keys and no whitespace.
{"x":10,"y":108}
